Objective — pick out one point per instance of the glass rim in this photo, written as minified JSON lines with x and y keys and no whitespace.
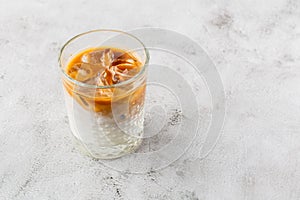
{"x":132,"y":79}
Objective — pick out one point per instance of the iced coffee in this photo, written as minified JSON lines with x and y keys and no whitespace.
{"x":104,"y":90}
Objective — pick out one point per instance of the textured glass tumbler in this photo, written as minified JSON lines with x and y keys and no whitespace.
{"x":106,"y":121}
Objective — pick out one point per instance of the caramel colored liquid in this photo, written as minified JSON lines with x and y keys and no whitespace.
{"x":103,"y":66}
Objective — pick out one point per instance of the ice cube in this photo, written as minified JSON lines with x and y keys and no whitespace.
{"x":92,"y":57}
{"x":82,"y":72}
{"x":108,"y":67}
{"x":107,"y":58}
{"x":86,"y":71}
{"x":98,"y":80}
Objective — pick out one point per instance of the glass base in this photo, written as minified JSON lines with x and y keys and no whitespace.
{"x":106,"y":156}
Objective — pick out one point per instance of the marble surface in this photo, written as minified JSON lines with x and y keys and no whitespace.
{"x":255,"y":46}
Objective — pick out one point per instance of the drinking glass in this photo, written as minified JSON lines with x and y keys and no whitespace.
{"x":106,"y":121}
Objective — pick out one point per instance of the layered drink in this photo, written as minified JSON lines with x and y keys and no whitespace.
{"x":104,"y":89}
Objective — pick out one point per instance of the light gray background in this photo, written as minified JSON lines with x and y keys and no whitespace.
{"x":255,"y":45}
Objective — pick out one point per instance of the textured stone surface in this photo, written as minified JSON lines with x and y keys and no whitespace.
{"x":255,"y":45}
